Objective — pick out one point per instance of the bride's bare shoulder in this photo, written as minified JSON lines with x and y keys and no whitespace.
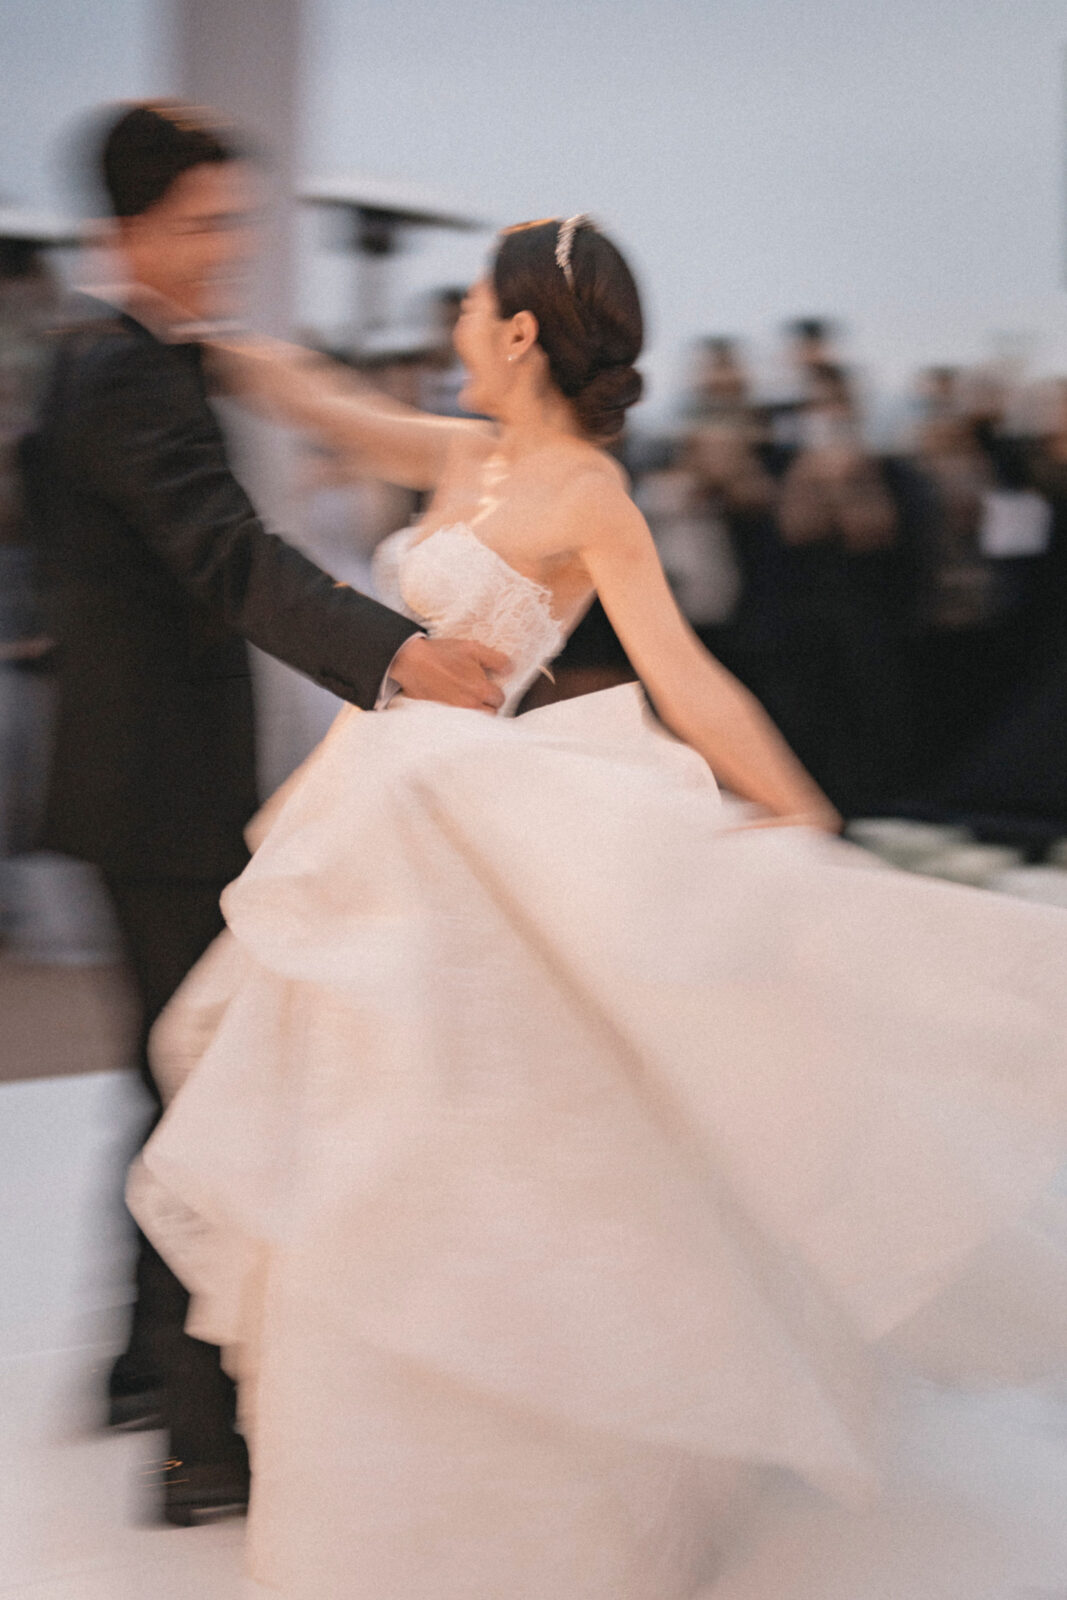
{"x":580,"y":472}
{"x":597,"y":515}
{"x":596,"y":488}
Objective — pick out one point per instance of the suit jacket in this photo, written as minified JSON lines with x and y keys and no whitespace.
{"x":159,"y":570}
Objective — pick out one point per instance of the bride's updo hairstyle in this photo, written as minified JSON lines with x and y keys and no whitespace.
{"x":577,"y":285}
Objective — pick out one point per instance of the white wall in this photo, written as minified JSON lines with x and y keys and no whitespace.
{"x":900,"y":164}
{"x":60,"y":59}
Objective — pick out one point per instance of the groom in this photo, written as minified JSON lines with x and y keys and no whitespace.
{"x":161,"y":570}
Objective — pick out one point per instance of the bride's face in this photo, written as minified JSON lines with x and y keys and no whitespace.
{"x":483,"y":341}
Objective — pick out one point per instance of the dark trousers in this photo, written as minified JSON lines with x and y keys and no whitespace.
{"x":166,"y":926}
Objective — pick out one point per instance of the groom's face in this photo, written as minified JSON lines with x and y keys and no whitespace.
{"x":194,"y":246}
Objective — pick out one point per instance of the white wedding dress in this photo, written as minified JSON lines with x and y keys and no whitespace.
{"x":576,"y":1182}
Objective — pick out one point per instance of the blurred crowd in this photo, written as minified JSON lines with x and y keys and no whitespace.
{"x":900,"y":612}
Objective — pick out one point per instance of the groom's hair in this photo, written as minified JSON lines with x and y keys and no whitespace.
{"x":149,"y":147}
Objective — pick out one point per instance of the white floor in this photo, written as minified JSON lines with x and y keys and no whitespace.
{"x":72,"y":1522}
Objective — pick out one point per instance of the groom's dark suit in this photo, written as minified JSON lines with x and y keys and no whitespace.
{"x":161,"y":566}
{"x":160,"y":570}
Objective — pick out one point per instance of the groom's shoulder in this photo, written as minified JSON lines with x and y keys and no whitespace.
{"x":97,"y":341}
{"x":107,"y":368}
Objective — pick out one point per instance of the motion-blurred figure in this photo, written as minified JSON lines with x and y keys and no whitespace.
{"x":834,"y":673}
{"x":700,"y":501}
{"x":1049,"y":472}
{"x":938,"y":393}
{"x":833,"y":488}
{"x":28,"y":302}
{"x":441,"y":376}
{"x":966,"y":658}
{"x":720,"y":388}
{"x":1001,"y":759}
{"x":692,"y":536}
{"x":809,"y":343}
{"x":161,"y":571}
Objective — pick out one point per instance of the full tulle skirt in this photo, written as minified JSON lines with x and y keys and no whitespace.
{"x":594,"y":1197}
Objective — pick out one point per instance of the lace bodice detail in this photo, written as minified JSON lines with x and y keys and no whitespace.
{"x":459,"y":588}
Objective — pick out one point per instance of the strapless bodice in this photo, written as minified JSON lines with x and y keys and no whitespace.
{"x":457,"y":587}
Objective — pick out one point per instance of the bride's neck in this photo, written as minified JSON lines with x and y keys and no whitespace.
{"x":531,"y":420}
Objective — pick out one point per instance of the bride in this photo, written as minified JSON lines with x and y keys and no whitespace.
{"x":575,"y":1162}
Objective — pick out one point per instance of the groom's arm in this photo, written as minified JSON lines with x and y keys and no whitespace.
{"x":147,"y":442}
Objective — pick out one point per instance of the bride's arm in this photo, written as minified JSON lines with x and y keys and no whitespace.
{"x":694,"y":694}
{"x":391,"y":440}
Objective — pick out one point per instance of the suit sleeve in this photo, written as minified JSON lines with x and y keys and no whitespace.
{"x":149,"y":444}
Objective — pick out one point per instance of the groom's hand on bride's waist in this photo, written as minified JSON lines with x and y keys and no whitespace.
{"x":453,"y":671}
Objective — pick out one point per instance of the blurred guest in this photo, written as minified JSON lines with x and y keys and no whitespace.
{"x":344,"y":514}
{"x":162,"y":570}
{"x":938,"y":393}
{"x":836,"y":684}
{"x":397,"y":365}
{"x":29,"y":296}
{"x":720,"y":385}
{"x":1014,"y":766}
{"x":833,"y":488}
{"x":810,"y":343}
{"x":1048,"y":475}
{"x":694,"y":544}
{"x":983,"y":401}
{"x":1016,"y":536}
{"x":959,"y":580}
{"x":967,"y":655}
{"x":441,"y":376}
{"x":692,"y":495}
{"x":723,"y":459}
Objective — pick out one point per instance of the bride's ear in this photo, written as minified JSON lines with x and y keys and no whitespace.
{"x":523,"y":334}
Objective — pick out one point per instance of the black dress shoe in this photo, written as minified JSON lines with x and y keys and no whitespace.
{"x":136,"y":1410}
{"x":195,"y":1492}
{"x":135,"y":1397}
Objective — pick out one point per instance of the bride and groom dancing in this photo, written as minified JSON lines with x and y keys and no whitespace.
{"x":561,"y":1152}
